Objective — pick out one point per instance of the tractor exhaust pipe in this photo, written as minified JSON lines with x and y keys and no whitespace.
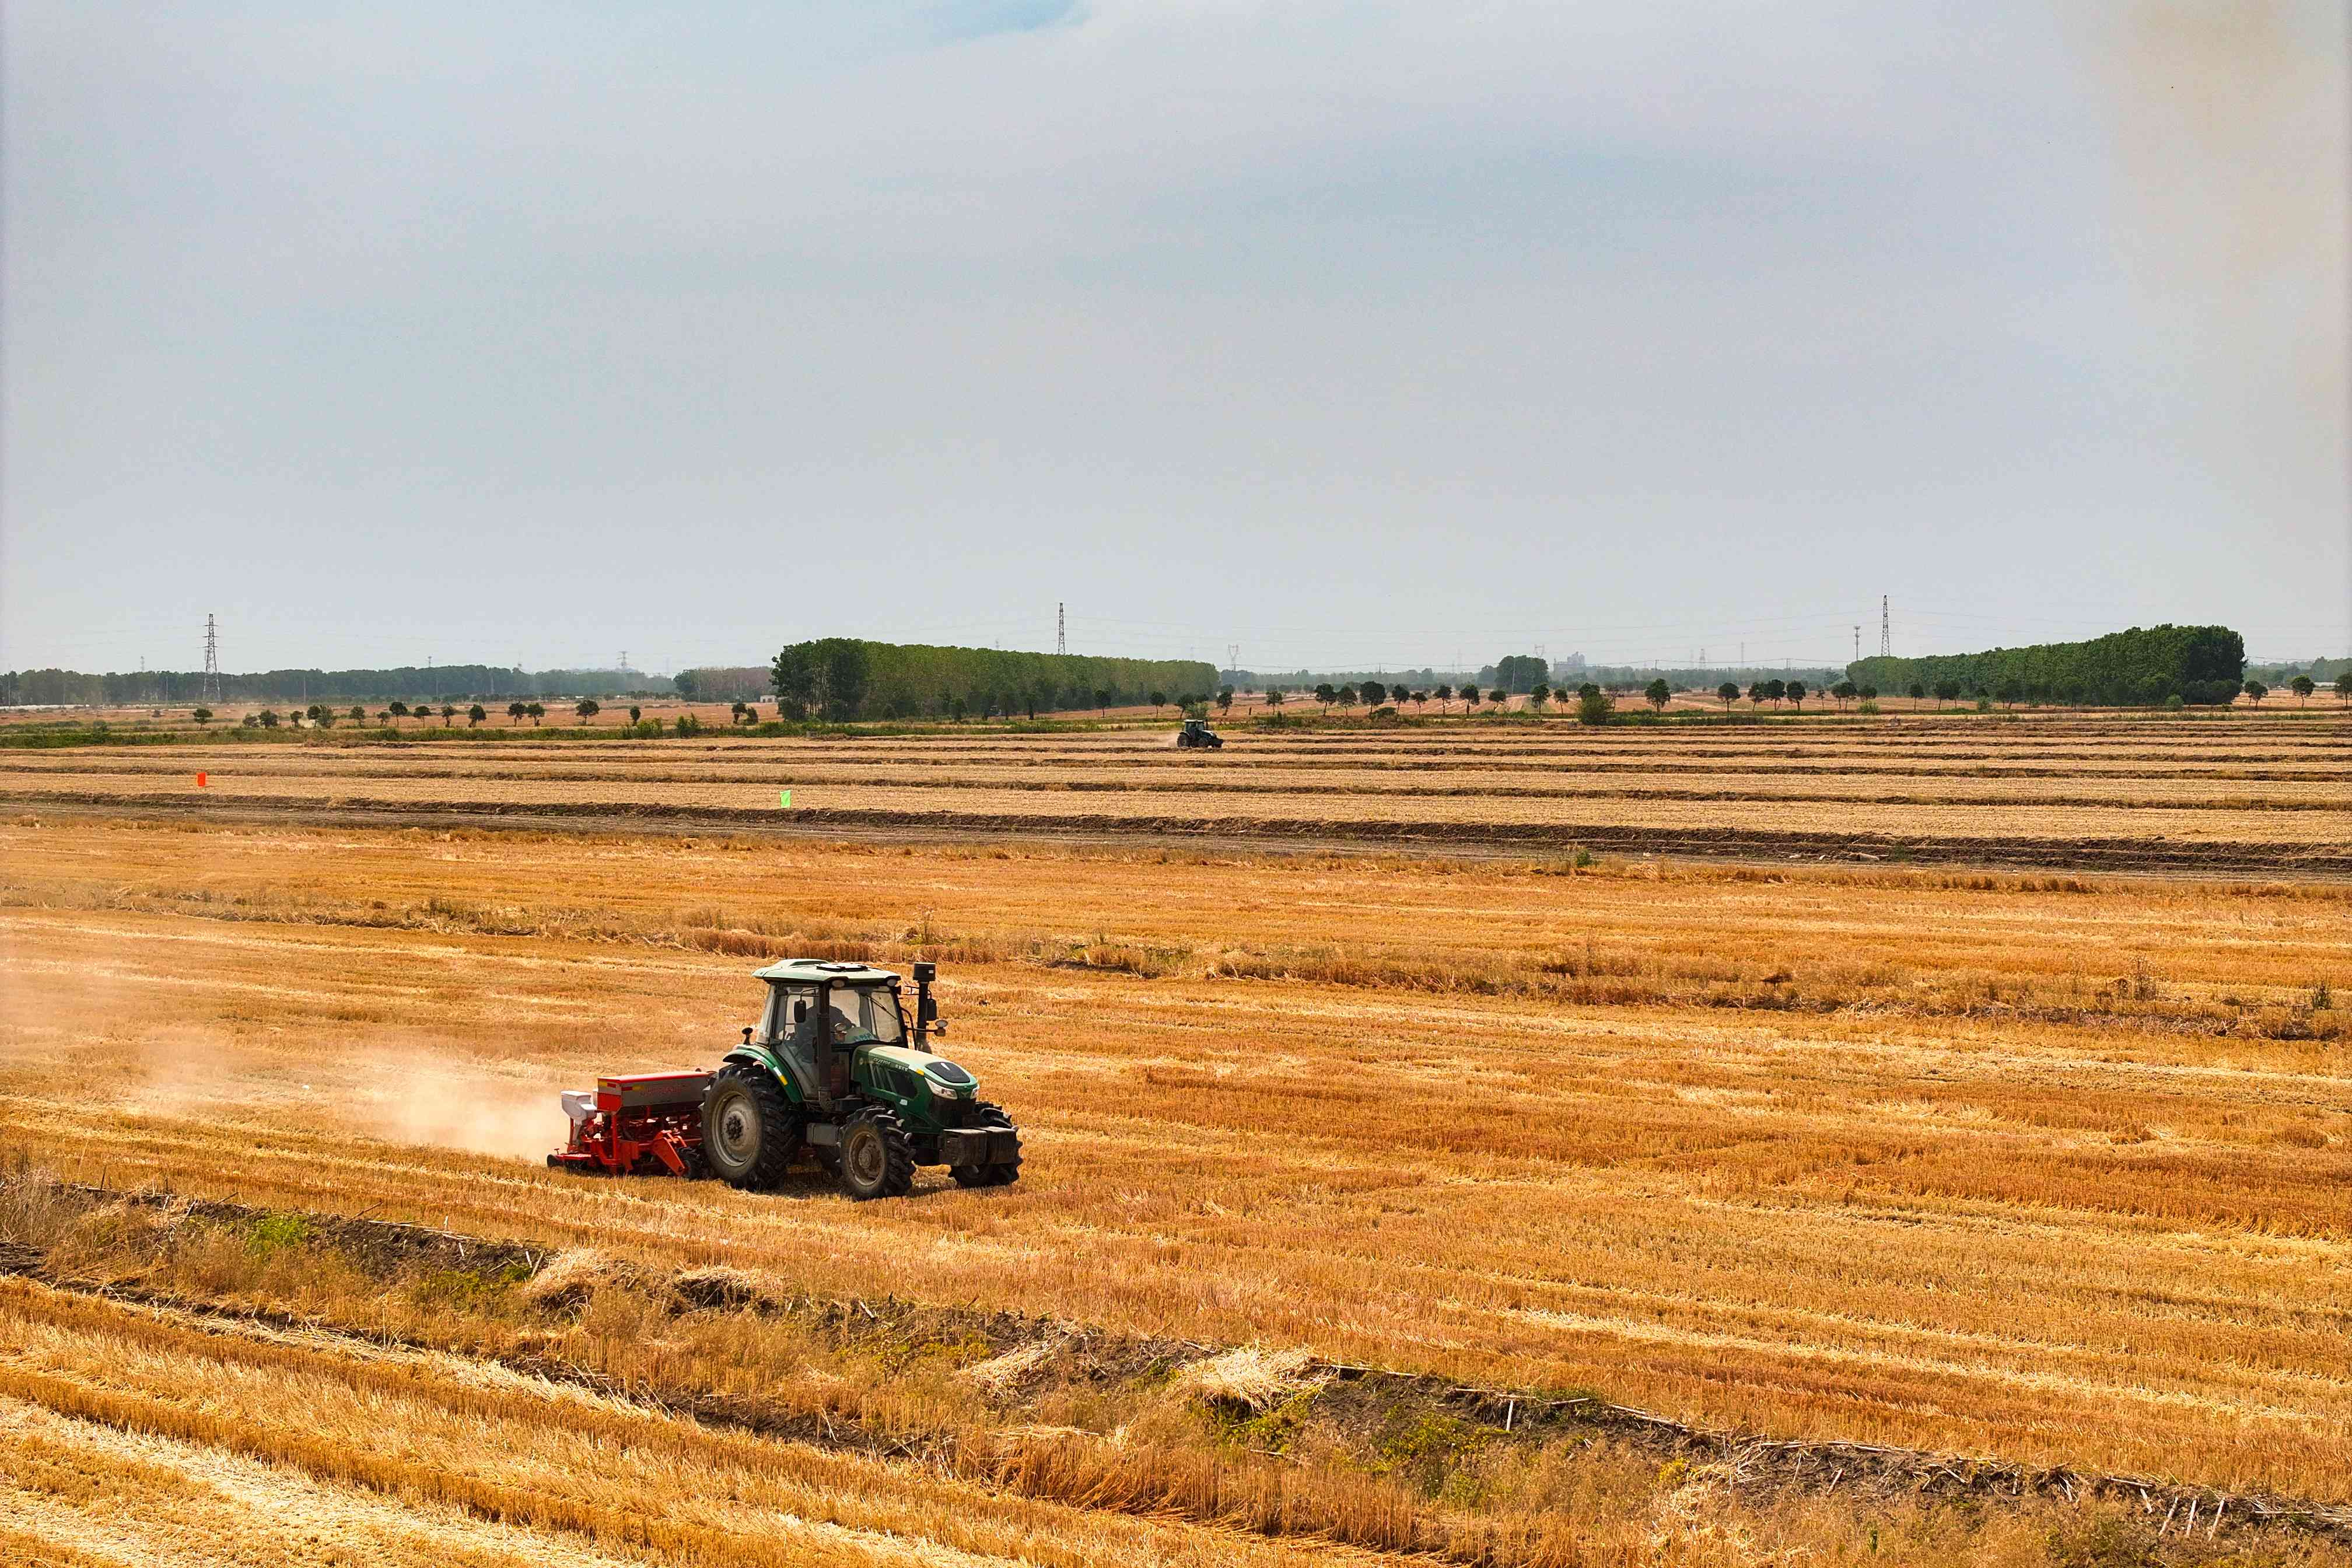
{"x":927,"y":1012}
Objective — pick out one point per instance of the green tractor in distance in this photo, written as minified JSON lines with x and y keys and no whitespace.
{"x":1196,"y":735}
{"x":834,"y":1068}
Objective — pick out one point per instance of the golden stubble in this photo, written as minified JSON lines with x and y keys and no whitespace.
{"x":2039,"y":1166}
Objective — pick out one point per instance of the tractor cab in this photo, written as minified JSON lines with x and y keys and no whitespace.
{"x":819,"y":1015}
{"x":836,"y":1066}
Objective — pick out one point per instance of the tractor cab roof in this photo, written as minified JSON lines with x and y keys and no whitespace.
{"x":822,"y":970}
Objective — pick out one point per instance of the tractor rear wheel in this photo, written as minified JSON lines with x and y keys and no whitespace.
{"x":749,"y":1133}
{"x":876,"y":1160}
{"x":998,"y":1175}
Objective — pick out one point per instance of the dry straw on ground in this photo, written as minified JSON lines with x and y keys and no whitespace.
{"x":2027,"y":1164}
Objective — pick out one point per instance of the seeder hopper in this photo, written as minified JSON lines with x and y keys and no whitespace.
{"x":637,"y":1124}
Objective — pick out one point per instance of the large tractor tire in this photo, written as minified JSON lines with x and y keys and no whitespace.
{"x":748,"y":1132}
{"x":998,"y":1175}
{"x":876,"y":1159}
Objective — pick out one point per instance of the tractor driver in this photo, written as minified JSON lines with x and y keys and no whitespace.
{"x":867,"y":1013}
{"x":800,"y":1018}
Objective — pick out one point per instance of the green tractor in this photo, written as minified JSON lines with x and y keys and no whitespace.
{"x":835,"y":1070}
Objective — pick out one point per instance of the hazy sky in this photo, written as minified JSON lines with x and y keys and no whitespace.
{"x":1349,"y":333}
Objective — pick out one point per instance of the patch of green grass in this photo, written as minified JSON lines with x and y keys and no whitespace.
{"x":277,"y":1233}
{"x":1430,"y":1448}
{"x":1270,"y":1431}
{"x":466,"y":1289}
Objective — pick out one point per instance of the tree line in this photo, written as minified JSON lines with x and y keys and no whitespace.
{"x":840,"y":679}
{"x":723,"y":683}
{"x":2149,"y":666}
{"x":131,"y":688}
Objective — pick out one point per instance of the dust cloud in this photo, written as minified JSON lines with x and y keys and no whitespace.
{"x":449,"y":1109}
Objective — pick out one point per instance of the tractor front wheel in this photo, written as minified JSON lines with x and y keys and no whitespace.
{"x":876,"y":1159}
{"x":1000,"y":1175}
{"x":749,"y":1133}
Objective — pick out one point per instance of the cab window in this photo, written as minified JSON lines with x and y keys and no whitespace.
{"x":866,"y":1013}
{"x":792,"y":1015}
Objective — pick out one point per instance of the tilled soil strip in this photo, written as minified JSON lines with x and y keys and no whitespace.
{"x":1229,"y":784}
{"x":2218,"y":858}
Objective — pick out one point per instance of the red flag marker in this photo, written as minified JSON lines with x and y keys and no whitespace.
{"x":199,"y":781}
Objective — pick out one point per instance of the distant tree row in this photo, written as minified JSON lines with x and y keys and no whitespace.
{"x":407,"y":682}
{"x":1519,"y":674}
{"x":722,"y":683}
{"x":2145,"y":664}
{"x":848,"y":678}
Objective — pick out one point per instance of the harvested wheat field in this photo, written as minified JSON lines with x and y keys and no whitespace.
{"x":2238,"y":795}
{"x":1362,"y":1190}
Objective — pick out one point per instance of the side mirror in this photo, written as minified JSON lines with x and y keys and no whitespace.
{"x":799,"y":1012}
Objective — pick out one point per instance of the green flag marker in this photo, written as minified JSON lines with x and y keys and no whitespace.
{"x":784,"y":797}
